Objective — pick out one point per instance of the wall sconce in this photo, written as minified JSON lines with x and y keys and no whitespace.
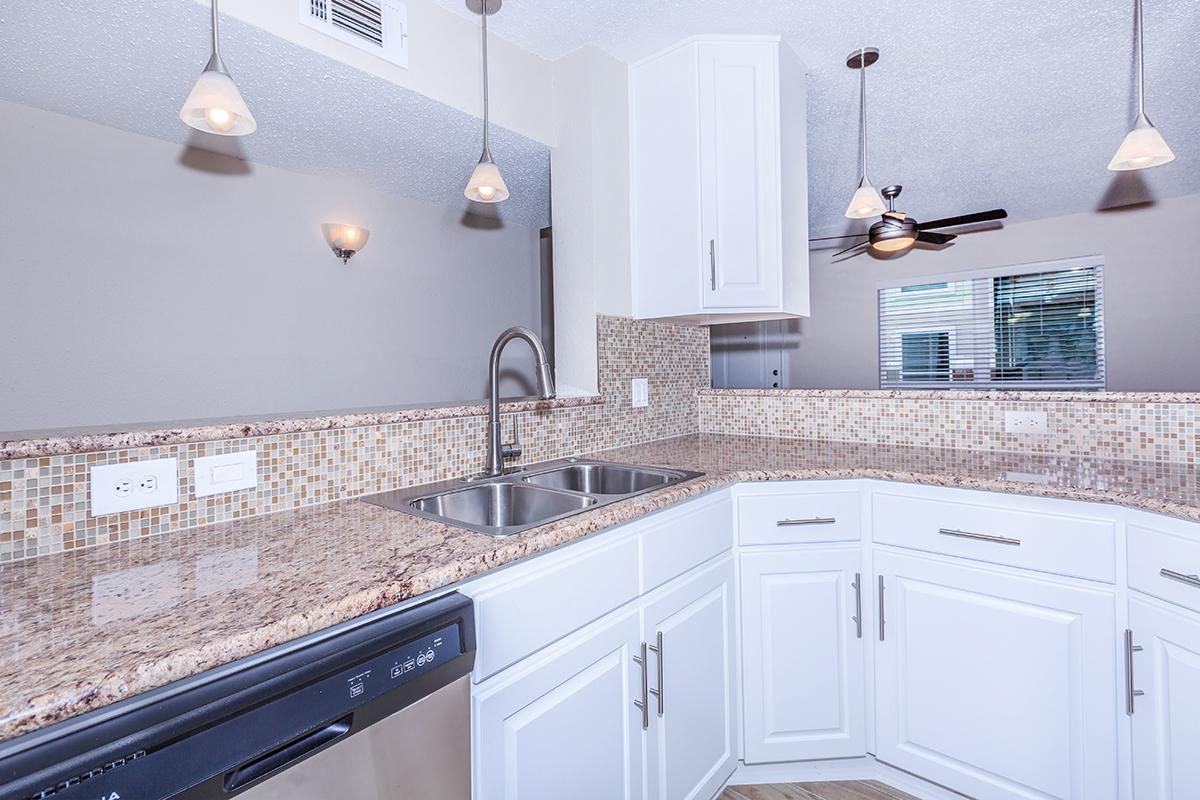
{"x":345,"y":240}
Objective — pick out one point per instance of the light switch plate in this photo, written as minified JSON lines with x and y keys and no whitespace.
{"x":226,"y":473}
{"x":133,"y":486}
{"x":639,"y":394}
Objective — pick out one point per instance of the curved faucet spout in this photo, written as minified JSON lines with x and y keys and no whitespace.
{"x":545,"y":382}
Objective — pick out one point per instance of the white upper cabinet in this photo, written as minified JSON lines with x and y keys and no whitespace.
{"x":719,"y":182}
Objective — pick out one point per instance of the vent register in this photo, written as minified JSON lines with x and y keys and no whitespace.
{"x":379,"y":27}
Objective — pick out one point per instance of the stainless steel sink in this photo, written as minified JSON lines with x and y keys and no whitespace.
{"x":502,"y":505}
{"x":517,"y":501}
{"x":602,"y":479}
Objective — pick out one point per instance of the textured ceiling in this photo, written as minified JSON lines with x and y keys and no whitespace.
{"x":974,"y":104}
{"x":129,"y":64}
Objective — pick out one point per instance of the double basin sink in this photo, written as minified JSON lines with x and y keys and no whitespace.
{"x":517,"y":501}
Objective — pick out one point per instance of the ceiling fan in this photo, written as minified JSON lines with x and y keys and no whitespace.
{"x":896,"y":231}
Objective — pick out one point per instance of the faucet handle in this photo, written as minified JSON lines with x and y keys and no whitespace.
{"x":512,"y":449}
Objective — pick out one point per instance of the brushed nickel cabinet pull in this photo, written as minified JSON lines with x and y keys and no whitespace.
{"x":1130,"y":692}
{"x":857,"y":603}
{"x":712,"y":262}
{"x":644,"y":703}
{"x":982,"y":537}
{"x":657,"y":649}
{"x":881,"y":617}
{"x":1182,"y":577}
{"x":812,"y":521}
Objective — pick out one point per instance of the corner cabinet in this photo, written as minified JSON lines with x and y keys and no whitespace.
{"x":718,"y":176}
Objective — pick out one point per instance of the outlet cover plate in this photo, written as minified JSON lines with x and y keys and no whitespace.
{"x":133,"y":486}
{"x":1026,"y":422}
{"x":226,"y":473}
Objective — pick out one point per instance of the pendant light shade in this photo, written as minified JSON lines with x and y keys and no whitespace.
{"x":486,"y":185}
{"x":866,"y":202}
{"x":1144,"y":146}
{"x":215,"y":105}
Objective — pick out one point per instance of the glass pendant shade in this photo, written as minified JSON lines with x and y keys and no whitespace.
{"x":867,"y":202}
{"x":486,"y":184}
{"x":345,"y":240}
{"x":216,"y":106}
{"x":1142,"y":147}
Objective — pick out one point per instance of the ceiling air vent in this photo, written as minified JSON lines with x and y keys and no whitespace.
{"x":379,"y":27}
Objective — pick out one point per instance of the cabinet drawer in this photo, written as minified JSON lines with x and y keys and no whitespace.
{"x":682,"y":538}
{"x":1050,"y":542}
{"x":799,"y":518}
{"x":1166,"y":563}
{"x":521,"y":616}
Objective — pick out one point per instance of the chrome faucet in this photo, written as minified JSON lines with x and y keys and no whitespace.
{"x":497,"y":452}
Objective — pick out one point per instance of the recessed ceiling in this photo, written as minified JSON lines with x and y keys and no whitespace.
{"x":129,"y":64}
{"x":973,"y":105}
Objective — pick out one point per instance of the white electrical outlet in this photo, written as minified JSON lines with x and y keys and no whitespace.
{"x":639,"y":394}
{"x":136,"y":485}
{"x":1026,"y":422}
{"x":226,"y":473}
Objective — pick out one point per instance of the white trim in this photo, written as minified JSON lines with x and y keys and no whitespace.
{"x":1033,"y":267}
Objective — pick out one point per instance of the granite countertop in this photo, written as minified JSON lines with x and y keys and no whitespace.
{"x":81,"y":630}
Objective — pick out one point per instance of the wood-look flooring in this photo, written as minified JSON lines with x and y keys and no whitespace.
{"x":824,"y":790}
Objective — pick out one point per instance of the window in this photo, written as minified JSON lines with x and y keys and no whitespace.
{"x":1037,"y":326}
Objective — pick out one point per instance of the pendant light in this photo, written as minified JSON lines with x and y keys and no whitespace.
{"x":215,"y":105}
{"x":1143,"y":146}
{"x":866,"y":201}
{"x":486,"y":185}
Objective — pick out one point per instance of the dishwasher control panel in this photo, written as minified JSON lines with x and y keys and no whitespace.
{"x":383,"y":673}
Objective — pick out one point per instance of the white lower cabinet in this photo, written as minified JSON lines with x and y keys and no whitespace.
{"x":691,"y":735}
{"x":802,"y":654}
{"x":996,"y":684}
{"x":1166,"y":718}
{"x":562,"y":723}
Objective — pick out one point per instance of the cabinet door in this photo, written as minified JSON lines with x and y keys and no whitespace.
{"x":1166,"y":719}
{"x":802,"y":656}
{"x":996,"y":684}
{"x":692,"y":734}
{"x":739,"y":174}
{"x":563,"y":723}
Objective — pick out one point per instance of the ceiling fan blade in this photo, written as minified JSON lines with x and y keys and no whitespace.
{"x":965,"y":219}
{"x":936,"y":238}
{"x":843,"y":236}
{"x":848,"y":249}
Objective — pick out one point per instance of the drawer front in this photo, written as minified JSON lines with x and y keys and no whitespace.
{"x":682,"y":538}
{"x":1165,"y":563}
{"x":524,"y":615}
{"x":799,"y":518}
{"x":1081,"y":547}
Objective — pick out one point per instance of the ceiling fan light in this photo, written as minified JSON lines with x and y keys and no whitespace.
{"x":867,"y":202}
{"x":894,"y":245}
{"x":1142,"y":148}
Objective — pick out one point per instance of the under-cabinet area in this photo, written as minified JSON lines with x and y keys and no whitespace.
{"x":972,"y":644}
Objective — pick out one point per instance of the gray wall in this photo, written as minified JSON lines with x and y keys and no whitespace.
{"x":144,"y":282}
{"x":1151,"y":295}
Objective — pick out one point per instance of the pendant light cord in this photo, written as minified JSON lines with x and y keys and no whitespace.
{"x":1140,"y":61}
{"x":484,"y":12}
{"x":215,"y":28}
{"x":862,"y":104}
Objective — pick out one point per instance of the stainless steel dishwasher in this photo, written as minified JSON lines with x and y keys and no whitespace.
{"x":374,"y":709}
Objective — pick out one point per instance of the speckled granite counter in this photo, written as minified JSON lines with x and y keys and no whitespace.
{"x":81,"y":630}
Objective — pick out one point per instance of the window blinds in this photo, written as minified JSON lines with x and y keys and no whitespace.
{"x":1038,"y":326}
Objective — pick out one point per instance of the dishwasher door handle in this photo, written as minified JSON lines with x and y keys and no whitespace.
{"x":287,"y":755}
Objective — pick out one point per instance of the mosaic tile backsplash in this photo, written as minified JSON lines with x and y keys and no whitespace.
{"x":1127,"y":426}
{"x":44,"y":500}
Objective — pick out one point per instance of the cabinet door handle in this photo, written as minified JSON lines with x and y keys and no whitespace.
{"x":657,"y":649}
{"x":712,"y":262}
{"x":1182,"y":577}
{"x":881,"y":618}
{"x":1130,"y":692}
{"x":982,"y":537}
{"x":812,"y":521}
{"x":644,"y":703}
{"x":857,"y":603}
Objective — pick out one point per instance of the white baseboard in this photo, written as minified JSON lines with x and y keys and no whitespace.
{"x":840,"y":769}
